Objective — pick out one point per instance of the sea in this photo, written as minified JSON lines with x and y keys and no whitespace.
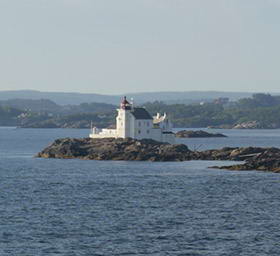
{"x":59,"y":207}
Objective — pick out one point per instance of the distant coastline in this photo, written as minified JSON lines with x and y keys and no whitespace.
{"x":261,"y":111}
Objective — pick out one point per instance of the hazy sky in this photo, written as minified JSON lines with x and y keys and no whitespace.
{"x":116,"y":46}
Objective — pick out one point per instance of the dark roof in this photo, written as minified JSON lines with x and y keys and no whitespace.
{"x":141,"y":113}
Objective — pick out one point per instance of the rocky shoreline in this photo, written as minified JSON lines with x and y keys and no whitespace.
{"x":255,"y":158}
{"x":250,"y":125}
{"x":264,"y":159}
{"x":116,"y":149}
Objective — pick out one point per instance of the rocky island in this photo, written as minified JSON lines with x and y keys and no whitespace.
{"x":255,"y":158}
{"x":264,"y":159}
{"x":116,"y":149}
{"x":198,"y":134}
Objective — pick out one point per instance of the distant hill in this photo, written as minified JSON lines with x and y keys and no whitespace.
{"x":187,"y":97}
{"x":61,"y":98}
{"x":48,"y":106}
{"x":41,"y":105}
{"x":65,"y":98}
{"x":9,"y":116}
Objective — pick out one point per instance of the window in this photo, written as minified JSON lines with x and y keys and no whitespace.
{"x":139,"y":131}
{"x":148,"y":124}
{"x":148,"y":131}
{"x":139,"y":123}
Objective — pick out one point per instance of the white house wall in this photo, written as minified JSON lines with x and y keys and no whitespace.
{"x":156,"y":134}
{"x":145,"y":128}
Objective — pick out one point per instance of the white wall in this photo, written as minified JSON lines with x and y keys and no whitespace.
{"x":123,"y":123}
{"x":144,"y":127}
{"x":169,"y":138}
{"x":156,"y":134}
{"x":105,"y":133}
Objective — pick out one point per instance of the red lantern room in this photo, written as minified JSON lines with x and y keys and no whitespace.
{"x":125,"y":104}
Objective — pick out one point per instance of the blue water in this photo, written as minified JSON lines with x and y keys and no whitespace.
{"x":74,"y":207}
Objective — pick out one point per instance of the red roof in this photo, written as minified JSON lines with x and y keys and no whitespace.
{"x":125,"y":104}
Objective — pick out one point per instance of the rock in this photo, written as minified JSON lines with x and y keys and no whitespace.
{"x":198,"y":134}
{"x":262,"y":159}
{"x":243,"y":153}
{"x":116,"y":149}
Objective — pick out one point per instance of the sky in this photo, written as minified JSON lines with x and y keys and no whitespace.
{"x":121,"y":46}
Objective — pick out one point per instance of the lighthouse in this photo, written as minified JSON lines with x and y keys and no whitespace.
{"x":123,"y":119}
{"x":137,"y":123}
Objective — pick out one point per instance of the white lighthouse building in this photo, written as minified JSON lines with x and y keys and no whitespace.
{"x":137,"y":123}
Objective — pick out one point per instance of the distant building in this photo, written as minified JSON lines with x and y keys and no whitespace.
{"x":221,"y":101}
{"x":137,"y":123}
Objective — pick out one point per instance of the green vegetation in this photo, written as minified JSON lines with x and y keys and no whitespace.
{"x":262,"y":109}
{"x":83,"y":120}
{"x":9,"y":116}
{"x":45,"y":106}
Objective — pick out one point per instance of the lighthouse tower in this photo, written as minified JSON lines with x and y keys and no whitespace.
{"x":123,"y":120}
